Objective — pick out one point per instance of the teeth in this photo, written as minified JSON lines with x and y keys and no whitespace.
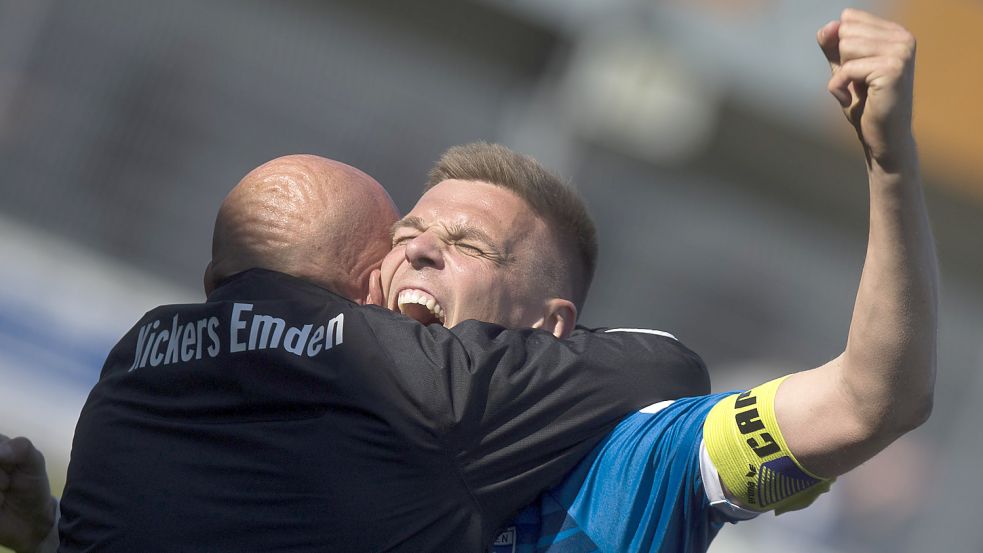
{"x":420,"y":297}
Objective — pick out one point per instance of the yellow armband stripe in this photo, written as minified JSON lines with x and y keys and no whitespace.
{"x":746,"y":446}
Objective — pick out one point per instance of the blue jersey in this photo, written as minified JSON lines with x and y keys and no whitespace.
{"x":639,"y":490}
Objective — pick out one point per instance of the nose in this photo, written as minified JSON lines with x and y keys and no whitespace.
{"x":425,"y":250}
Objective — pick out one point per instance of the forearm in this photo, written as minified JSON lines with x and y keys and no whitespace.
{"x":881,"y":385}
{"x":888,"y":367}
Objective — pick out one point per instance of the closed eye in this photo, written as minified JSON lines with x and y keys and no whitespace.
{"x":406,"y":229}
{"x":469,"y":248}
{"x":477,"y":251}
{"x":400,"y":240}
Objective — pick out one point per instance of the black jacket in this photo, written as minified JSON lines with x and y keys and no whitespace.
{"x":279,"y":416}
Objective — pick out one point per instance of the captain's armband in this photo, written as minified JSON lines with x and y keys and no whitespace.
{"x":746,"y":446}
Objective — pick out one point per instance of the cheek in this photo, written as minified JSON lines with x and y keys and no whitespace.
{"x":389,"y":264}
{"x":480,"y":288}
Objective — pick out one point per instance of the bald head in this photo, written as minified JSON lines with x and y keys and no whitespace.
{"x":307,"y":216}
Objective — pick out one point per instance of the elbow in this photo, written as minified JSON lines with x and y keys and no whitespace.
{"x":916,"y":413}
{"x":920,"y":399}
{"x":906,"y":413}
{"x":896,"y":398}
{"x":697,"y":379}
{"x":892,"y":412}
{"x":689,"y":377}
{"x":878,"y":428}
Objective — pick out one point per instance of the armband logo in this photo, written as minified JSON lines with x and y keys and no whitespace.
{"x":781,"y":478}
{"x":778,"y":478}
{"x":749,"y":422}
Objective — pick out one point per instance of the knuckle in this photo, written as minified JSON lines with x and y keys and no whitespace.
{"x":904,"y":51}
{"x":899,"y":28}
{"x":904,"y":36}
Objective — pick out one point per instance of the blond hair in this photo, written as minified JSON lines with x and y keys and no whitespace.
{"x":558,"y":204}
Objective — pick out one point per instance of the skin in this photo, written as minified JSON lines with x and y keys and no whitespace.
{"x":473,"y":247}
{"x":882,"y":385}
{"x":293,"y":214}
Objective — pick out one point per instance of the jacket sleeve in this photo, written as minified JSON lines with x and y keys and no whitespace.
{"x":519,"y":408}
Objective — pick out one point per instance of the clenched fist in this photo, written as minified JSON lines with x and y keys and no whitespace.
{"x":873,"y":69}
{"x":27,"y":510}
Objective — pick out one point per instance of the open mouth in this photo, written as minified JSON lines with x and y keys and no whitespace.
{"x":420,"y":306}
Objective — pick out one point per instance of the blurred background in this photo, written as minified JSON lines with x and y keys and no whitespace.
{"x":729,"y":192}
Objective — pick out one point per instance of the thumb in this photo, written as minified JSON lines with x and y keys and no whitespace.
{"x":828,"y":37}
{"x":7,"y":454}
{"x":20,"y":451}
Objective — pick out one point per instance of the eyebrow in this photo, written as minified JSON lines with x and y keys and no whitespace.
{"x":457,"y":232}
{"x":408,"y":222}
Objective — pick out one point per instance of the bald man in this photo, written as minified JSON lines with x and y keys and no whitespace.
{"x":311,"y":217}
{"x":281,"y":415}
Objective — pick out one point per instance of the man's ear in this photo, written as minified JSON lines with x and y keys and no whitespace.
{"x":559,"y":317}
{"x":375,"y":295}
{"x":208,"y":279}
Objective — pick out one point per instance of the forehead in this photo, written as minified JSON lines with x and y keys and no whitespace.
{"x":496,"y":210}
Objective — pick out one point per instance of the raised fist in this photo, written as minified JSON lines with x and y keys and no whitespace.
{"x":873,"y":65}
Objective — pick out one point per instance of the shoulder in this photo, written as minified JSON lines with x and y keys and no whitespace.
{"x":659,"y":351}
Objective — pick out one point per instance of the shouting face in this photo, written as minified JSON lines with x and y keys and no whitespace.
{"x":469,"y":250}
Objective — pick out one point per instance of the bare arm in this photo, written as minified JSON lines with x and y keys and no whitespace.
{"x":839,"y":415}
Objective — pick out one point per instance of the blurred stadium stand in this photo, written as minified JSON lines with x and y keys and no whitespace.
{"x":729,"y":196}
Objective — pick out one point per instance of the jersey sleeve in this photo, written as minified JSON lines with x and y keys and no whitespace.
{"x":519,"y":408}
{"x":641,"y":489}
{"x":723,"y":506}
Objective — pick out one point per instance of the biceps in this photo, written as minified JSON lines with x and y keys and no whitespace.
{"x":821,"y":422}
